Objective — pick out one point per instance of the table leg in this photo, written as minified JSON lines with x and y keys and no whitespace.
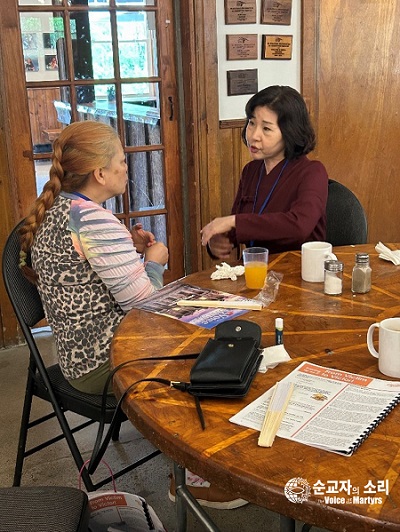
{"x":183,"y":499}
{"x":180,"y":481}
{"x":287,"y":524}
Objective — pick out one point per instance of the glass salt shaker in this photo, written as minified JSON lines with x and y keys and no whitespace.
{"x":361,"y":276}
{"x":333,"y":277}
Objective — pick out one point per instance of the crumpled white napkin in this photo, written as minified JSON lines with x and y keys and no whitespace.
{"x":224,"y":271}
{"x":387,"y":254}
{"x":272,"y":356}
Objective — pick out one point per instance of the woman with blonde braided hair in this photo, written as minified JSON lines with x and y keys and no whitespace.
{"x":86,"y":264}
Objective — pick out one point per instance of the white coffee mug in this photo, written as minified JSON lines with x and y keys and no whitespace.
{"x":313,"y":256}
{"x":389,"y":346}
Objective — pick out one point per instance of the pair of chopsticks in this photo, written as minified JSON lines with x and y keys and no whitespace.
{"x":245,"y":304}
{"x":275,"y":412}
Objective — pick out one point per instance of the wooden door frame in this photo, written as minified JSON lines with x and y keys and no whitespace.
{"x":15,"y":104}
{"x":198,"y":27}
{"x":16,"y":194}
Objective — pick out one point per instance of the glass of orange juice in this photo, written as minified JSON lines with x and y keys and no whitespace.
{"x":255,"y":262}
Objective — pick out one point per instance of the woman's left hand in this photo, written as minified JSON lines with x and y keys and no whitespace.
{"x":142,"y":239}
{"x":218,"y":226}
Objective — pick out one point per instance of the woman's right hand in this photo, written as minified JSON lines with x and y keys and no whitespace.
{"x":158,"y":252}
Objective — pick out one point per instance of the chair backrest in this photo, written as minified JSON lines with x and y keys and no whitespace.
{"x":23,"y":295}
{"x":44,"y":508}
{"x":346,"y":222}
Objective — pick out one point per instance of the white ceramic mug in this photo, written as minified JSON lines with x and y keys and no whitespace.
{"x":313,"y":256}
{"x":389,"y":346}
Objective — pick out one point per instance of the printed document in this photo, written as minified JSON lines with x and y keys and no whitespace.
{"x":329,"y":408}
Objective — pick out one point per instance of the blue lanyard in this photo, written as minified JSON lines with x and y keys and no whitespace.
{"x":270,"y":192}
{"x":81,"y":196}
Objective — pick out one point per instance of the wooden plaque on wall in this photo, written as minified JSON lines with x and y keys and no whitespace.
{"x":241,"y":46}
{"x":243,"y":12}
{"x":277,"y":47}
{"x":242,"y":82}
{"x":273,"y":12}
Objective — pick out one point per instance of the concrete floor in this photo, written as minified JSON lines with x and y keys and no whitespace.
{"x":55,"y":466}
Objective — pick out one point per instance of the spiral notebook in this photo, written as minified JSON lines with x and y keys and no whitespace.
{"x":330,"y":409}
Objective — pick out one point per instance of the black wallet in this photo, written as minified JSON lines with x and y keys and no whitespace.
{"x":227,"y":364}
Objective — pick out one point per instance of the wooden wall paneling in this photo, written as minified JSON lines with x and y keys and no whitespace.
{"x":243,"y":155}
{"x":199,"y":41}
{"x":215,"y":152}
{"x":189,"y":54}
{"x":169,"y":104}
{"x":229,"y":163}
{"x":353,"y":83}
{"x":8,"y":215}
{"x":234,"y":155}
{"x":309,"y":60}
{"x":210,"y":177}
{"x":230,"y":166}
{"x":15,"y":148}
{"x":19,"y":143}
{"x":8,"y":324}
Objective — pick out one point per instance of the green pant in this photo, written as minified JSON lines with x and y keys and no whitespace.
{"x":94,"y":381}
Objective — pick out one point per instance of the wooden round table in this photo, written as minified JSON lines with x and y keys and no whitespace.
{"x":326,"y":330}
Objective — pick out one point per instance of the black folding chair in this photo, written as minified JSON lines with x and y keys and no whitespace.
{"x":47,"y":508}
{"x":346,"y":222}
{"x":48,"y":383}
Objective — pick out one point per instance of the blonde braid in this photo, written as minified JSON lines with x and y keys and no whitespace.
{"x":36,"y":216}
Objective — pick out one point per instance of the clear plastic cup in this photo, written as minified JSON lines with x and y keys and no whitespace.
{"x":255,"y":262}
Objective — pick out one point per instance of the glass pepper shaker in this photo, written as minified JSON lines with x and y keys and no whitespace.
{"x":361,"y":276}
{"x":333,"y":277}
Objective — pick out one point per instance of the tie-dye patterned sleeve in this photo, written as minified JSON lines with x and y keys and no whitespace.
{"x":100,"y":238}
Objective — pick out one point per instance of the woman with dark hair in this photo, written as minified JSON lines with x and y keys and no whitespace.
{"x":281,"y":199}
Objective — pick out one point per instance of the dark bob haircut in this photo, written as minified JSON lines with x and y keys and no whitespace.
{"x":293,"y":118}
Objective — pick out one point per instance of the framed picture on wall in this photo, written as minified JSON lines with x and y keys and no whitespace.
{"x":49,"y":40}
{"x":30,"y":41}
{"x":31,"y":62}
{"x":51,"y":62}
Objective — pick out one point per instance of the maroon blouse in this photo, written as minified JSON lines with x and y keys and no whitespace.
{"x":295,"y":212}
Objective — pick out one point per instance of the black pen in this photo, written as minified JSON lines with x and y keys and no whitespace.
{"x":278,"y":331}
